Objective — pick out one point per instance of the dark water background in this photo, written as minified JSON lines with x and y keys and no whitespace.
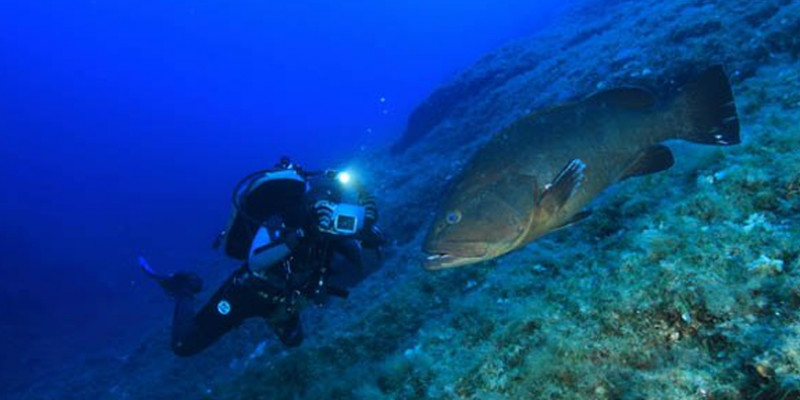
{"x":125,"y":124}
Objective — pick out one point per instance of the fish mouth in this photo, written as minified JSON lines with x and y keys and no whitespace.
{"x":449,"y":253}
{"x":439,"y":261}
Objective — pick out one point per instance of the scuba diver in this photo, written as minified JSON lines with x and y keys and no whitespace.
{"x":299,"y":235}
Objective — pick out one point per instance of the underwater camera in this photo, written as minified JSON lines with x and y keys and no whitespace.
{"x":347,"y":219}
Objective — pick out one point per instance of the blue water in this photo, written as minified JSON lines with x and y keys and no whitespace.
{"x":125,"y":124}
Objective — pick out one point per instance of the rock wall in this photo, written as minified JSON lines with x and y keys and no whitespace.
{"x":684,"y":284}
{"x":651,"y":44}
{"x":598,"y":45}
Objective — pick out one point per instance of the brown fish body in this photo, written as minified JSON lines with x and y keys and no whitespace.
{"x":540,"y":172}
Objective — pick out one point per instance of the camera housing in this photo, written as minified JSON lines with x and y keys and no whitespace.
{"x":348,"y":219}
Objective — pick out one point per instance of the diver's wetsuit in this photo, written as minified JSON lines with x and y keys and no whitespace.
{"x":237,"y":299}
{"x":244,"y":294}
{"x":277,"y":293}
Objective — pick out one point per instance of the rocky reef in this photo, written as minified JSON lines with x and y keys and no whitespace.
{"x":682,"y":284}
{"x":599,"y":45}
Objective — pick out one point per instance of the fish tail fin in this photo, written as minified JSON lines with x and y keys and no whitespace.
{"x":708,"y":106}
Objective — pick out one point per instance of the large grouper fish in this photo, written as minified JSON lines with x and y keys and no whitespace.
{"x":539,"y":173}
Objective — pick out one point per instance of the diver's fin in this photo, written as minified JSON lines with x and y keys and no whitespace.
{"x":557,"y":193}
{"x":219,"y":239}
{"x":179,"y":284}
{"x":575,"y":219}
{"x":653,"y":159}
{"x":625,"y":97}
{"x":147,"y":269}
{"x":708,"y":106}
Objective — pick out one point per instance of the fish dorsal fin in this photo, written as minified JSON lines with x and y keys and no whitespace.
{"x":653,"y":159}
{"x":625,"y":97}
{"x":560,"y":190}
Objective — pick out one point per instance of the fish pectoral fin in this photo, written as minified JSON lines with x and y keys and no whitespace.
{"x":653,"y":159}
{"x":563,"y":186}
{"x":625,"y":97}
{"x":575,"y":219}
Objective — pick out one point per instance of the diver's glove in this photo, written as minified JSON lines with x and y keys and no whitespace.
{"x":370,"y":210}
{"x":181,"y":284}
{"x":372,"y":237}
{"x":323,"y":211}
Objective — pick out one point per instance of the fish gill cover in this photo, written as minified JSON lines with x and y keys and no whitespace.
{"x":682,"y":284}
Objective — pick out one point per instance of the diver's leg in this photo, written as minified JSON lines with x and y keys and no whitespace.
{"x":186,"y":337}
{"x":289,"y":331}
{"x":227,"y":308}
{"x":287,"y":327}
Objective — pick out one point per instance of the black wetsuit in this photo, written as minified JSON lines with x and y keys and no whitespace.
{"x":236,"y":300}
{"x":277,"y":293}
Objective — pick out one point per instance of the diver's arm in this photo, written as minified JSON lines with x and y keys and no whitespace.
{"x":367,"y":200}
{"x":273,"y":243}
{"x":371,"y":236}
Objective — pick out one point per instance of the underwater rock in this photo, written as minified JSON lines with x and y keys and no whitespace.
{"x":766,"y":265}
{"x":680,"y":37}
{"x":615,"y":48}
{"x":488,"y":73}
{"x":682,"y":285}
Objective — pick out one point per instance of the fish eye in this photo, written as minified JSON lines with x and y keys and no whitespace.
{"x":453,"y":217}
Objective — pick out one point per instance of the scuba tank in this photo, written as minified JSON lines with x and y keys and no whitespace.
{"x":257,"y":197}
